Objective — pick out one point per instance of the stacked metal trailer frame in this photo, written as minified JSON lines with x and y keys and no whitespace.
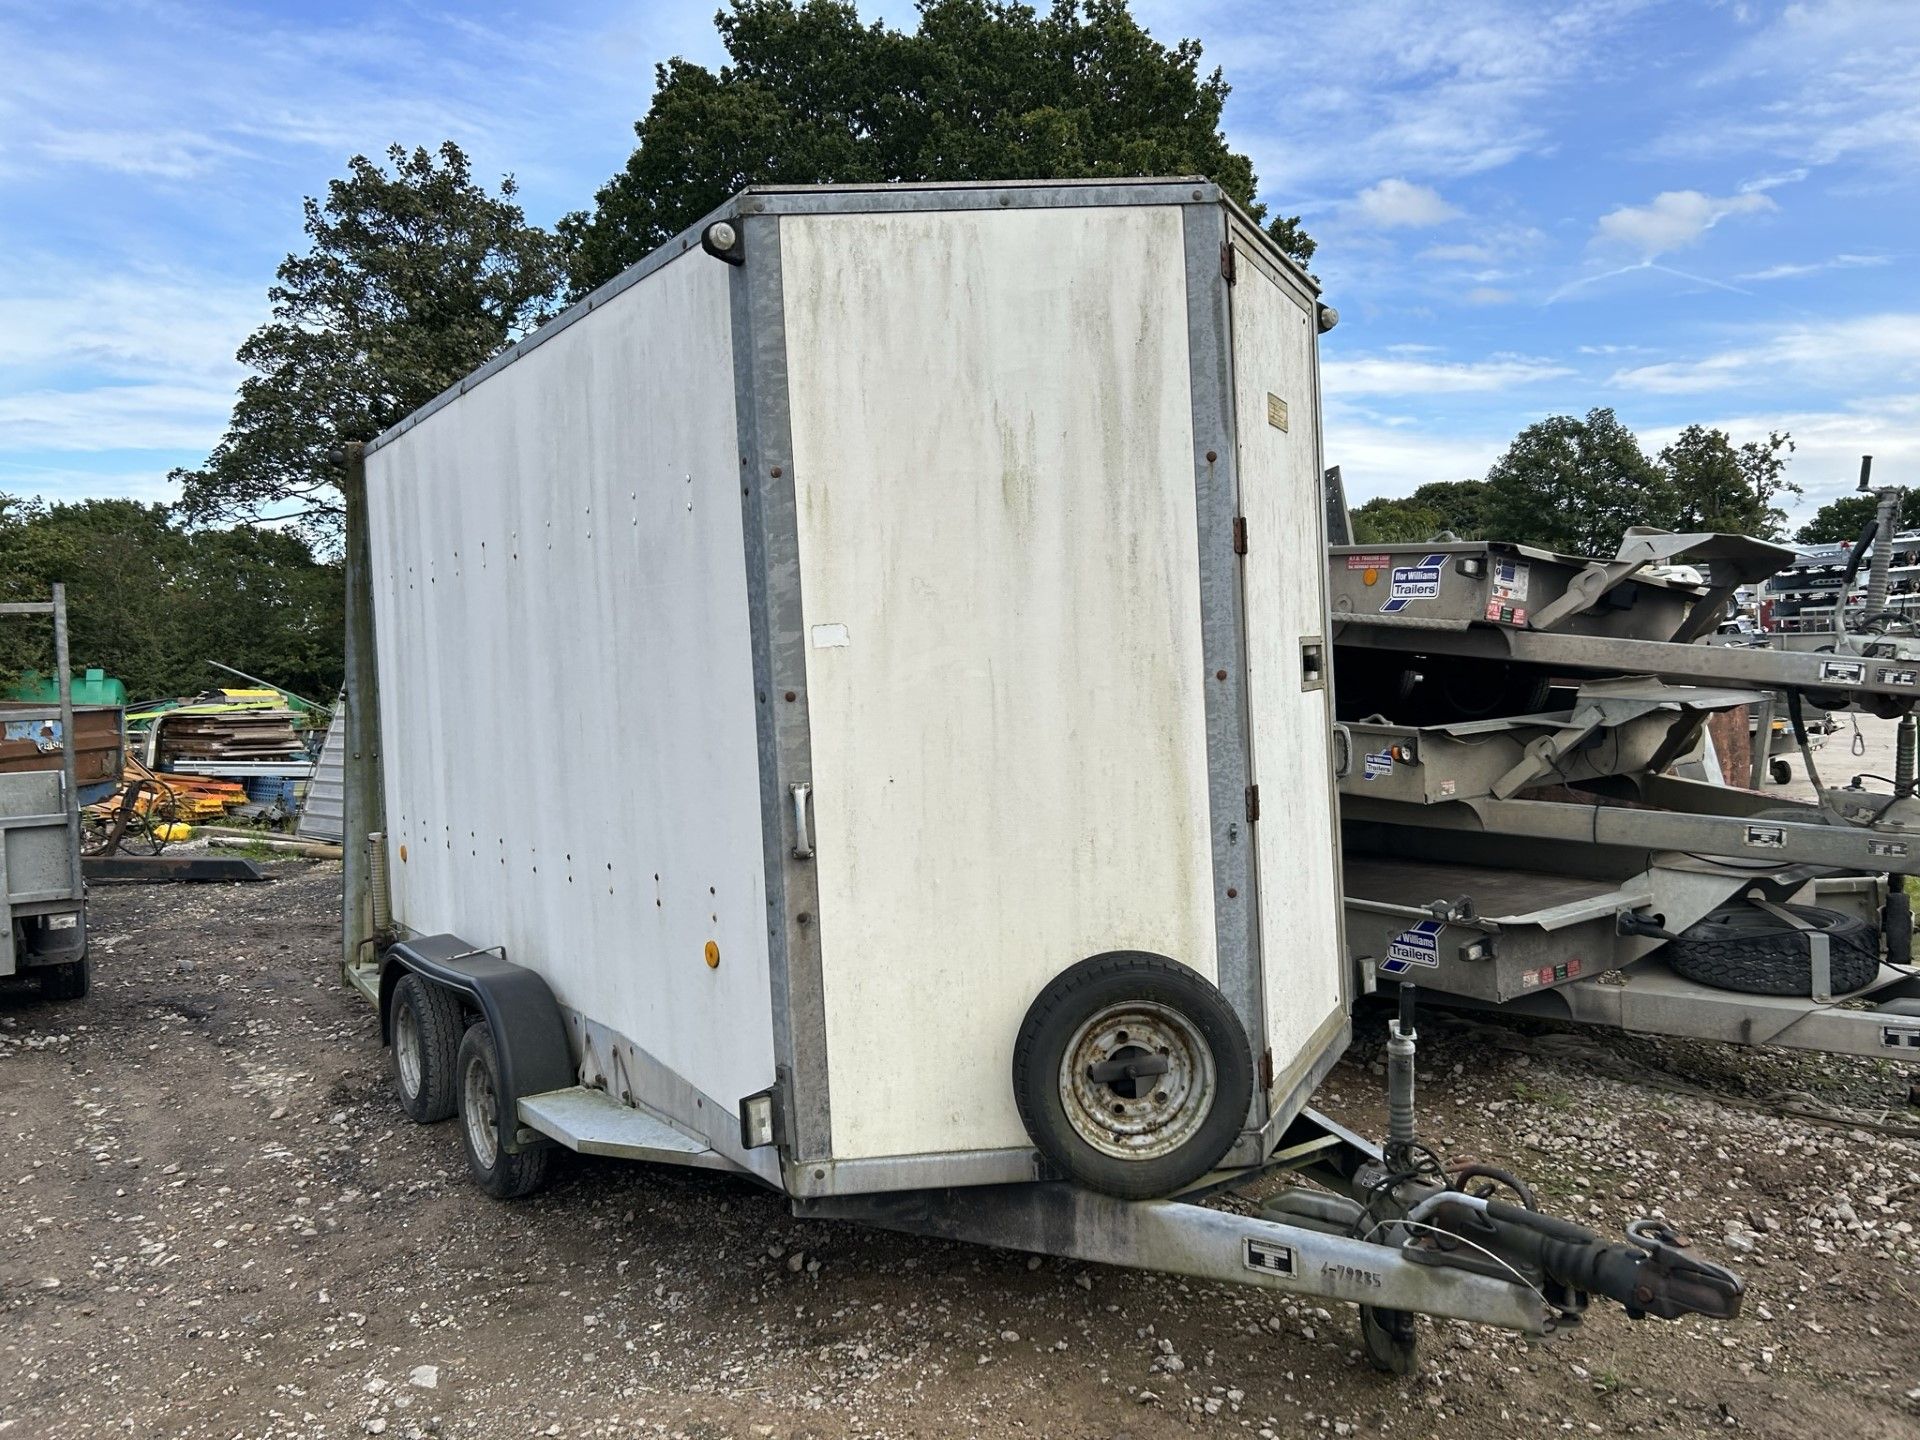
{"x":1530,"y":860}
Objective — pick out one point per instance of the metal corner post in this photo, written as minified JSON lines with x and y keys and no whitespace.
{"x":1223,"y":632}
{"x":770,"y":526}
{"x":364,"y":803}
{"x":69,"y":741}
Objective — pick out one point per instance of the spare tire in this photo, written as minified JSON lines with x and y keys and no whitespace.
{"x":1742,"y":947}
{"x":1132,"y":1074}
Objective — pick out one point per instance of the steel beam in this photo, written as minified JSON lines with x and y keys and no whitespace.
{"x":1055,"y":1218}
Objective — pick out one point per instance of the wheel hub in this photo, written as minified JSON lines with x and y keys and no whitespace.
{"x":1137,"y":1080}
{"x":406,"y":1049}
{"x":480,"y":1113}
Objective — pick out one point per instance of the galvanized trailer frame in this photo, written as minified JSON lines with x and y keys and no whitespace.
{"x":1567,"y":614}
{"x":1558,"y":908}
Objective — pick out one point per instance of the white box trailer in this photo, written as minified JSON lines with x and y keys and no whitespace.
{"x":852,"y":710}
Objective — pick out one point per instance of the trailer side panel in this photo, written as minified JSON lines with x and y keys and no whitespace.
{"x":567,"y":708}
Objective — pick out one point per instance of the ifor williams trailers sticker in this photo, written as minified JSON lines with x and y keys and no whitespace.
{"x":1415,"y":582}
{"x":1418,"y":946}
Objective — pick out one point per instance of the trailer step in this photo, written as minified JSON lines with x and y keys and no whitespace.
{"x":594,"y":1123}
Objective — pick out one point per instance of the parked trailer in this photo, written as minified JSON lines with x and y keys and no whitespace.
{"x":910,"y":858}
{"x":45,"y":923}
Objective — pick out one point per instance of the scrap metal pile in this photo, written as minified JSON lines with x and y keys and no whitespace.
{"x":1527,"y":817}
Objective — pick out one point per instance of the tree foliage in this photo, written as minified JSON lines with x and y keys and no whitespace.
{"x":1456,"y":507}
{"x":1717,"y":486}
{"x":982,"y":90}
{"x":151,"y":603}
{"x":1841,"y":521}
{"x":1575,"y":485}
{"x":413,"y":279}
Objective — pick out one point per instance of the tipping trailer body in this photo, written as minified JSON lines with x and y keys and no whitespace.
{"x":910,"y":553}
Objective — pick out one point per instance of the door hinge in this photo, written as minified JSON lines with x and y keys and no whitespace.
{"x":1239,"y":534}
{"x":1226,"y":261}
{"x":1253,"y":803}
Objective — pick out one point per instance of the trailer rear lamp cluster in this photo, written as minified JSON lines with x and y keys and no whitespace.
{"x":1481,"y":949}
{"x":1405,"y":754}
{"x":721,"y":239}
{"x":1473,"y":566}
{"x":759,"y":1121}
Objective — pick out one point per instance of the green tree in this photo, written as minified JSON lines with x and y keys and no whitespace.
{"x":1842,"y":520}
{"x":1575,"y":485}
{"x":1454,"y":506}
{"x":1384,"y":520}
{"x":151,"y":603}
{"x":413,"y":279}
{"x":1718,"y":486}
{"x":983,"y":90}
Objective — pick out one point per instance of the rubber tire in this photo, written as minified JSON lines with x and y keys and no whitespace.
{"x":1389,"y":1340}
{"x":1743,"y":948}
{"x":70,"y":981}
{"x":509,"y":1175}
{"x":1781,"y":771}
{"x":1061,"y":1008}
{"x":439,"y":1019}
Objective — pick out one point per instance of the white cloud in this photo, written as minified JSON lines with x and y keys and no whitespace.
{"x":1381,"y":375}
{"x":151,"y":416}
{"x":58,"y":482}
{"x":1828,"y":444}
{"x":1674,"y":220}
{"x":1817,"y":84}
{"x":1487,"y":295}
{"x":142,"y":322}
{"x":1397,"y":85}
{"x":1377,"y":459}
{"x":1876,"y":349}
{"x":1394,"y":203}
{"x":1838,"y":262}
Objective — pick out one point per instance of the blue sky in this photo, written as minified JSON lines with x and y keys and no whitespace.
{"x":1686,"y":210}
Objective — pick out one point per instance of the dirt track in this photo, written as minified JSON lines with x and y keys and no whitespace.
{"x":216,"y":1223}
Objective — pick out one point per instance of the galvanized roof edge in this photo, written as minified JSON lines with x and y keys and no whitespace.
{"x":843,"y":199}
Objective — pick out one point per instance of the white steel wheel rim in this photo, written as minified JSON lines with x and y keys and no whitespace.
{"x":406,"y":1048}
{"x":1148,"y":1117}
{"x":480,"y":1112}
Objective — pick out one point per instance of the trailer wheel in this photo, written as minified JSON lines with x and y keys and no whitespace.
{"x":426,"y":1021}
{"x":1132,"y":1074}
{"x":1743,"y":948}
{"x":1388,"y":1338}
{"x":503,"y":1174}
{"x":70,"y":981}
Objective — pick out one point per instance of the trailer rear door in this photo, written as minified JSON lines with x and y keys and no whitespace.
{"x":992,"y":440}
{"x":1284,"y":579}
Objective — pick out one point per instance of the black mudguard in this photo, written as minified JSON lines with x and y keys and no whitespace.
{"x":528,"y":1031}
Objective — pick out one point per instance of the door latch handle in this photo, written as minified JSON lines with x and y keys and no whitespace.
{"x":802,"y":794}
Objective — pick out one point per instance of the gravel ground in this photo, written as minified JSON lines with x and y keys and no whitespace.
{"x":218,"y":1224}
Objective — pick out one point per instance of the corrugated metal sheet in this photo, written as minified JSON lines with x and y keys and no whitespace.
{"x":323,"y":814}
